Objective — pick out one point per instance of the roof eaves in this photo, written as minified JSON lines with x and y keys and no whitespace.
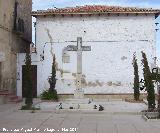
{"x":36,"y":13}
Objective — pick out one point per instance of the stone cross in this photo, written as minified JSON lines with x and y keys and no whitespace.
{"x":79,"y":93}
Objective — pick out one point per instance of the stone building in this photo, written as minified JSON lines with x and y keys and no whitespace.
{"x":15,"y":37}
{"x":113,"y":35}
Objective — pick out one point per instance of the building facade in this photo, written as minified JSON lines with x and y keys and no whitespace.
{"x":114,"y":35}
{"x":15,"y":37}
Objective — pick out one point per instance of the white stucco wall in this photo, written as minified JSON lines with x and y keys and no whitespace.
{"x":107,"y":68}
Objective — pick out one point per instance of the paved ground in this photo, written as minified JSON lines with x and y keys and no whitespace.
{"x":111,"y":106}
{"x":80,"y":122}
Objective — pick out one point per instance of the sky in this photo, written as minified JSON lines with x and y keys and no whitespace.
{"x":45,"y":4}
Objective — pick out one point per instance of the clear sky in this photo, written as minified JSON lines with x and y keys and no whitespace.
{"x":45,"y":4}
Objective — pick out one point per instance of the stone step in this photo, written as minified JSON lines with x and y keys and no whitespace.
{"x":12,"y":97}
{"x":6,"y":97}
{"x":15,"y":99}
{"x":3,"y":91}
{"x":78,"y":101}
{"x":107,"y":100}
{"x":78,"y":106}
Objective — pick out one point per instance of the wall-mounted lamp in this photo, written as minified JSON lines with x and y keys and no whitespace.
{"x":33,"y":48}
{"x":42,"y":56}
{"x":156,"y":23}
{"x":156,"y":30}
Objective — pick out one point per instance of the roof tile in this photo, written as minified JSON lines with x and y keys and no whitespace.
{"x":91,"y":9}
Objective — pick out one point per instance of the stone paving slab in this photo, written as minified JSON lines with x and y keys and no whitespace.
{"x":80,"y":122}
{"x":109,"y":107}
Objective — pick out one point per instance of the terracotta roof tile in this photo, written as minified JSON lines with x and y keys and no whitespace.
{"x":91,"y":9}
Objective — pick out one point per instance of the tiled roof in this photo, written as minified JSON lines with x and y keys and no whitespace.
{"x":93,"y":9}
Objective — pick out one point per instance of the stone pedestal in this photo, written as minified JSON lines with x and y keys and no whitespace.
{"x":77,"y":106}
{"x":78,"y":102}
{"x":78,"y":94}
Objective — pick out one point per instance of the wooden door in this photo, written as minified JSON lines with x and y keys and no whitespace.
{"x":34,"y":81}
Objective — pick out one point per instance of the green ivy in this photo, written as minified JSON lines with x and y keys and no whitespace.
{"x":49,"y":95}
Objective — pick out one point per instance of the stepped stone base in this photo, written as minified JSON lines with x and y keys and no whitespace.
{"x":78,"y":101}
{"x":79,"y":94}
{"x":90,"y":106}
{"x":103,"y":96}
{"x":78,"y":104}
